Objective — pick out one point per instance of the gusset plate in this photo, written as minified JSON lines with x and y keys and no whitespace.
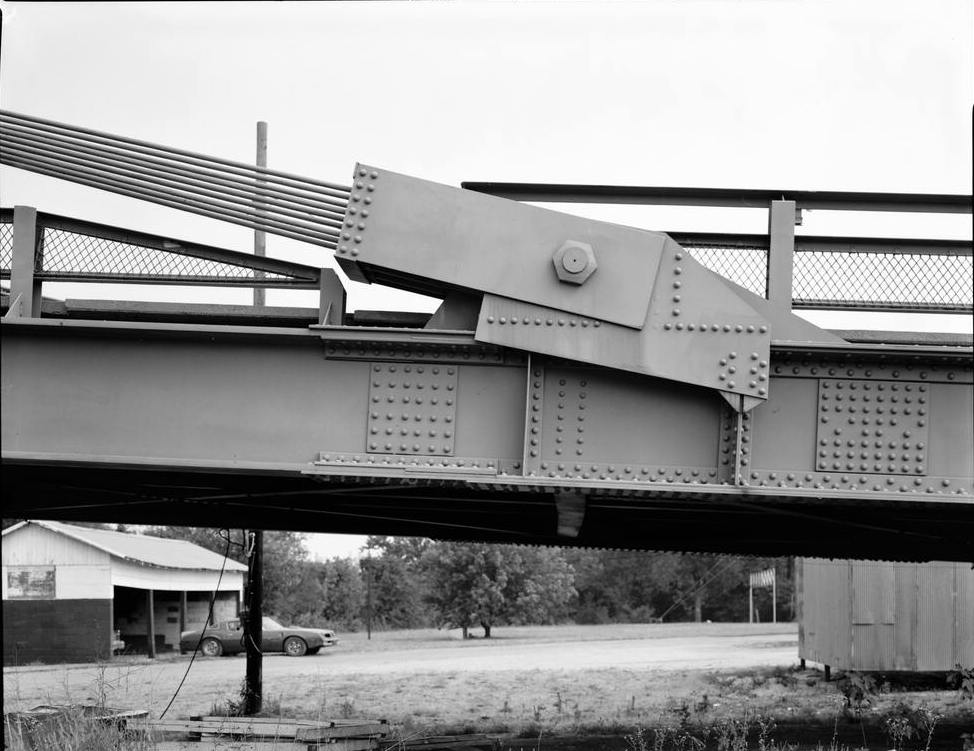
{"x":696,"y":331}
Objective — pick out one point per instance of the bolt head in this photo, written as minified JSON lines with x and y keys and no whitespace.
{"x":574,"y":262}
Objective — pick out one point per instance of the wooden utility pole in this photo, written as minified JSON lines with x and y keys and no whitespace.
{"x":260,"y":239}
{"x":368,"y":599}
{"x":150,"y":623}
{"x":253,"y":622}
{"x":774,"y":598}
{"x":253,"y":628}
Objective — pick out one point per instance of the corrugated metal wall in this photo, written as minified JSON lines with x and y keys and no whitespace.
{"x":869,"y":615}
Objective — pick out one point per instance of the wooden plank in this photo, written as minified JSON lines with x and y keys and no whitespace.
{"x":225,"y":744}
{"x":226,"y":727}
{"x":345,"y":744}
{"x":447,"y":742}
{"x":266,"y":720}
{"x":343,"y":731}
{"x":228,"y":745}
{"x":236,"y":728}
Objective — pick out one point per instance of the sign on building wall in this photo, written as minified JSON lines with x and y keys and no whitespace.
{"x":30,"y":582}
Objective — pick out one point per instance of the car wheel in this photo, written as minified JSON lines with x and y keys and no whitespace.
{"x":211,"y":647}
{"x":295,"y":646}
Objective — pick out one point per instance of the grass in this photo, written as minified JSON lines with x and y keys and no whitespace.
{"x":72,"y":730}
{"x":522,"y":704}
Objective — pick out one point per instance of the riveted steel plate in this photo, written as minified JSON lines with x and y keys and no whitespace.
{"x":874,"y":427}
{"x":862,"y":482}
{"x":696,"y":332}
{"x":618,"y":472}
{"x":869,"y":366}
{"x":402,"y":465}
{"x":416,"y":234}
{"x":399,"y":351}
{"x":601,"y":418}
{"x":412,"y":409}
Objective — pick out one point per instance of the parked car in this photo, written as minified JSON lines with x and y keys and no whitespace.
{"x":227,"y":637}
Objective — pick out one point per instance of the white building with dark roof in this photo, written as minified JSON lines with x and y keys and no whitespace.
{"x":68,"y":589}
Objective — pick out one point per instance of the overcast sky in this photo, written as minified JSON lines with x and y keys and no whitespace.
{"x":792,"y":94}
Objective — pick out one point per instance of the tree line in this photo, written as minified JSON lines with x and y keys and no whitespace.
{"x":418,"y":583}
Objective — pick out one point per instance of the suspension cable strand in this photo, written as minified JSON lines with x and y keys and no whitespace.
{"x":250,"y":170}
{"x":47,"y":144}
{"x":239,"y":210}
{"x":104,"y":165}
{"x":294,"y":234}
{"x":209,"y":617}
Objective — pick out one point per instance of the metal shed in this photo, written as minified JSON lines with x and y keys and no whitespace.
{"x":875,"y":615}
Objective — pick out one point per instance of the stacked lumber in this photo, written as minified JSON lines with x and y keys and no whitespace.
{"x":282,"y":734}
{"x":271,"y":734}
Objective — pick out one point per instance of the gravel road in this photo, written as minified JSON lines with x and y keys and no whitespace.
{"x":146,"y":682}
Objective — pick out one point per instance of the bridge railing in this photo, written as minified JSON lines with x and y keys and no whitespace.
{"x":37,"y":247}
{"x":849,"y":273}
{"x":798,"y":271}
{"x":803,"y":271}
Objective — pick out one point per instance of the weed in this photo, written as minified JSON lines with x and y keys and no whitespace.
{"x":681,"y":712}
{"x":962,"y":679}
{"x":702,"y":705}
{"x":637,"y":740}
{"x":904,"y":722}
{"x":346,"y":707}
{"x":859,"y":690}
{"x":731,"y":734}
{"x":71,"y":729}
{"x":765,"y":727}
{"x":631,"y":709}
{"x":898,"y":730}
{"x":664,"y":738}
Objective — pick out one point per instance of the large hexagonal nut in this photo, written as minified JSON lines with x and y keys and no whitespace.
{"x":574,"y":262}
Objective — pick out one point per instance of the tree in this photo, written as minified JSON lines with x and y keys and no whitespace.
{"x":489,"y":584}
{"x":397,"y":592}
{"x":614,"y":586}
{"x":399,"y":581}
{"x":409,"y":550}
{"x":325,"y":593}
{"x":284,"y":554}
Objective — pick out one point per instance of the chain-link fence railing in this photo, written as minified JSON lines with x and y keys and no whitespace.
{"x":74,"y":255}
{"x":741,"y":258}
{"x":828,"y":273}
{"x":6,"y":247}
{"x":890,"y":280}
{"x":72,"y":250}
{"x":849,"y":273}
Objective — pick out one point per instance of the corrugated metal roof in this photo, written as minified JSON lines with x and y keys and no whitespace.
{"x":144,"y":549}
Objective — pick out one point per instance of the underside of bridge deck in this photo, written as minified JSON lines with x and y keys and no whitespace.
{"x":860,"y":450}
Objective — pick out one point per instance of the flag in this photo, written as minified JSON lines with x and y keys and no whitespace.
{"x":763,"y":578}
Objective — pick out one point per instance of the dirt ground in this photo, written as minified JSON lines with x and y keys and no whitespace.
{"x":561,"y":679}
{"x":410,"y":657}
